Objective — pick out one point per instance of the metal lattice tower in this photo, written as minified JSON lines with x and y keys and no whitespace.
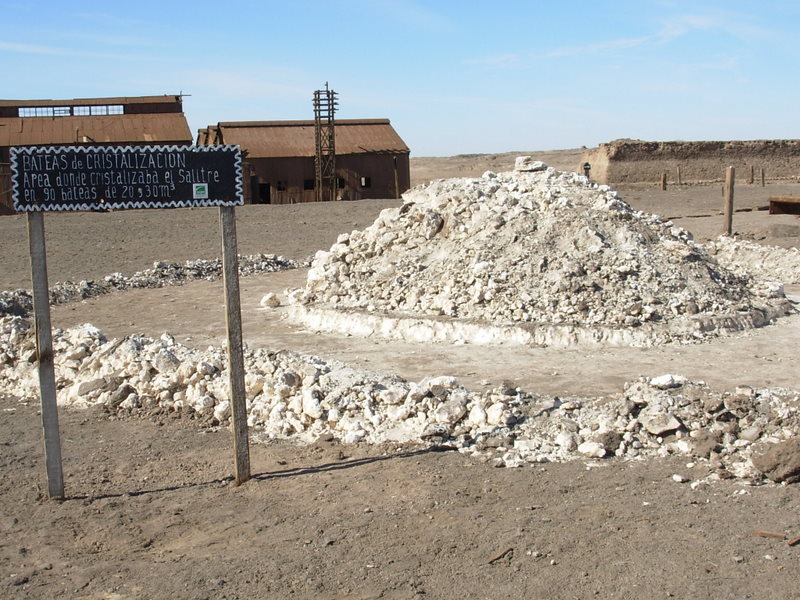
{"x":324,"y":138}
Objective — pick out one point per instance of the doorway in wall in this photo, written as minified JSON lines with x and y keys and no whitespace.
{"x":263,"y":193}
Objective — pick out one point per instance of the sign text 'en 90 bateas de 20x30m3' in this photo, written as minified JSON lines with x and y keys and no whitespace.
{"x":66,"y":178}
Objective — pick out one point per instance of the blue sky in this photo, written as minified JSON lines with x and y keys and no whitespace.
{"x":454,"y":77}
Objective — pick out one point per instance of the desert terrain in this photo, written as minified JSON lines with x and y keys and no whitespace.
{"x":151,"y":512}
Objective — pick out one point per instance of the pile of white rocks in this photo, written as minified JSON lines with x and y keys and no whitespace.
{"x":299,"y":397}
{"x":535,"y":248}
{"x":768,"y":263}
{"x":20,"y":302}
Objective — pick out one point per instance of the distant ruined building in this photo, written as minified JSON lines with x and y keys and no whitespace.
{"x":636,"y":161}
{"x":372,"y":161}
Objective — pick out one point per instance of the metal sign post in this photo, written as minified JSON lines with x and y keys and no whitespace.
{"x":74,"y":178}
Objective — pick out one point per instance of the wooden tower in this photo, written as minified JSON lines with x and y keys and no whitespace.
{"x":324,"y":137}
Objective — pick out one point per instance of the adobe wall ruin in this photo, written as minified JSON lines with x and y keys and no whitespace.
{"x":635,"y":161}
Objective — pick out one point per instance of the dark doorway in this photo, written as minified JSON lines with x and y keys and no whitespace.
{"x":263,"y":193}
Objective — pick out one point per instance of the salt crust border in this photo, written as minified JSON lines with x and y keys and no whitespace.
{"x":439,"y":330}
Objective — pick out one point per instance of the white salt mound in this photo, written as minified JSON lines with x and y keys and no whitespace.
{"x":535,"y":247}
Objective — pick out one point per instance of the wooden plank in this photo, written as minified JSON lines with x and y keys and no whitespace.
{"x":786,"y":199}
{"x":769,"y":534}
{"x":44,"y":355}
{"x":230,"y":273}
{"x":784,"y":208}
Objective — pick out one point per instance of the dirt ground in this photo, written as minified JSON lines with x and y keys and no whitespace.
{"x":151,"y":512}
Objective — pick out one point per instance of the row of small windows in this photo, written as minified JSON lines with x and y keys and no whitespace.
{"x":69,"y":111}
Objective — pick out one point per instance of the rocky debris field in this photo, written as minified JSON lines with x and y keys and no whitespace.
{"x":20,"y":302}
{"x":304,"y":398}
{"x":529,"y":246}
{"x":538,"y":248}
{"x":766,"y":263}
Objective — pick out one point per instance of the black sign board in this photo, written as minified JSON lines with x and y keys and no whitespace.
{"x":62,"y":178}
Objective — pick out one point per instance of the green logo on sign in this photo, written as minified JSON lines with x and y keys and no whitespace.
{"x":199,"y":191}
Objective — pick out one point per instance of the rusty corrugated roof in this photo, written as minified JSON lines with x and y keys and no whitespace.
{"x":277,"y":139}
{"x":207,"y":136}
{"x":94,"y":101}
{"x":113,"y":129}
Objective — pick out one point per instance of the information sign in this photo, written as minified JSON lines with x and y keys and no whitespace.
{"x":69,"y":178}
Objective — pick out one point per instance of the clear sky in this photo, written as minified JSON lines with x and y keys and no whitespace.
{"x":454,"y":77}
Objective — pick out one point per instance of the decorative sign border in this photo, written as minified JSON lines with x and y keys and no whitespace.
{"x":195,"y":200}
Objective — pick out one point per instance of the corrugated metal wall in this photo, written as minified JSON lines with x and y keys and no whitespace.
{"x":6,"y":205}
{"x":284,"y":180}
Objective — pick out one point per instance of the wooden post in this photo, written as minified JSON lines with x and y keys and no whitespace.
{"x":728,"y":210}
{"x":752,"y":177}
{"x":230,"y":274}
{"x":663,"y":181}
{"x":44,"y":356}
{"x":396,"y":181}
{"x":680,"y":180}
{"x":762,"y":176}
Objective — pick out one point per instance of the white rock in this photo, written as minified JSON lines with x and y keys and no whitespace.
{"x":526,"y":163}
{"x":270,"y":300}
{"x":222,"y":411}
{"x":477,"y":416}
{"x":568,"y":441}
{"x":450,"y":412}
{"x":352,"y":437}
{"x":495,"y":414}
{"x":311,"y":405}
{"x":87,"y":387}
{"x":658,"y":421}
{"x":665,"y":382}
{"x":592,"y":449}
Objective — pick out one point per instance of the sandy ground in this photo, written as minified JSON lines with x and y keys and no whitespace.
{"x":151,"y":513}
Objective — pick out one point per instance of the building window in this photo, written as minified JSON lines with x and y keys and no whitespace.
{"x":280,"y":186}
{"x":66,"y":111}
{"x":36,"y":111}
{"x":366,"y":182}
{"x":308,"y":184}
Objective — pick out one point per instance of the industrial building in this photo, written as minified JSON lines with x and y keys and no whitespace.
{"x":140,"y":120}
{"x":371,"y":160}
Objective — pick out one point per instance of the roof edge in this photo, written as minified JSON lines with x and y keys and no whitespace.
{"x":176,"y":98}
{"x":300,"y":123}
